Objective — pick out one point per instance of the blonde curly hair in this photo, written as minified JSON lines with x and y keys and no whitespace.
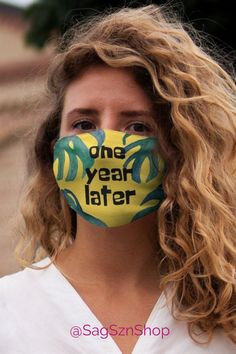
{"x":195,"y":100}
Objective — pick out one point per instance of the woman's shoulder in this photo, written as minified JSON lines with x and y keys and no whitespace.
{"x":21,"y":281}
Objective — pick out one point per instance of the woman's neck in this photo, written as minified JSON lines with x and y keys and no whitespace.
{"x":121,"y":256}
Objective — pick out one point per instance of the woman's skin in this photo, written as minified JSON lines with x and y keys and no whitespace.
{"x":114,"y":269}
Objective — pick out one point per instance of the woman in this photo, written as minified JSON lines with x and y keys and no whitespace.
{"x":130,"y":212}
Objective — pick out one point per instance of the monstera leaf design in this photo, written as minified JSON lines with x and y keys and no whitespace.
{"x":99,"y":135}
{"x":74,"y":146}
{"x":146,"y":151}
{"x":157,"y":193}
{"x":145,"y":212}
{"x":125,"y":137}
{"x":74,"y":203}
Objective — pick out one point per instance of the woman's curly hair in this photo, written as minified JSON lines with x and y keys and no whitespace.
{"x":195,"y":101}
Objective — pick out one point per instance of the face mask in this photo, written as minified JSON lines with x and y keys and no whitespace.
{"x":108,"y":177}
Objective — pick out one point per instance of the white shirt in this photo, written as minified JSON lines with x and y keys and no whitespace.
{"x":38,"y":308}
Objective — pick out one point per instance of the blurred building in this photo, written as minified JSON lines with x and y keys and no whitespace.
{"x":22,"y":106}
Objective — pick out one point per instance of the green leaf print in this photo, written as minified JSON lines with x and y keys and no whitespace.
{"x":145,"y":212}
{"x":75,"y":147}
{"x":157,"y":193}
{"x":125,"y":137}
{"x":146,"y":151}
{"x":75,"y":205}
{"x":99,"y":136}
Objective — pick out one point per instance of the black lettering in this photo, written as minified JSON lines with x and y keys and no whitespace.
{"x":96,"y":200}
{"x":90,"y":175}
{"x":87,"y":194}
{"x":128,"y":194}
{"x":104,"y":174}
{"x":108,"y":150}
{"x":104,"y":192}
{"x":118,"y":198}
{"x":126,"y":171}
{"x":94,"y":150}
{"x":119,"y":152}
{"x":116,"y":174}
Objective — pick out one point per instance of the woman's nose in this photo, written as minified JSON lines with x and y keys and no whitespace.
{"x":110,"y":121}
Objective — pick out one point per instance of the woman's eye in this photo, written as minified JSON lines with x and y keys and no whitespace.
{"x":139,"y":128}
{"x":84,"y":125}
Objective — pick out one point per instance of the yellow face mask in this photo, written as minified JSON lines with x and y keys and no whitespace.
{"x":109,"y":177}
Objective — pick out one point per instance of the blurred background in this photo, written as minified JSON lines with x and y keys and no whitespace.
{"x":29,"y":31}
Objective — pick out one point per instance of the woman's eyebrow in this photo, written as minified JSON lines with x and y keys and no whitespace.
{"x":76,"y":111}
{"x":126,"y":113}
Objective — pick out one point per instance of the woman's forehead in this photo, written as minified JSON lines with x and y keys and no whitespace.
{"x":105,"y":85}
